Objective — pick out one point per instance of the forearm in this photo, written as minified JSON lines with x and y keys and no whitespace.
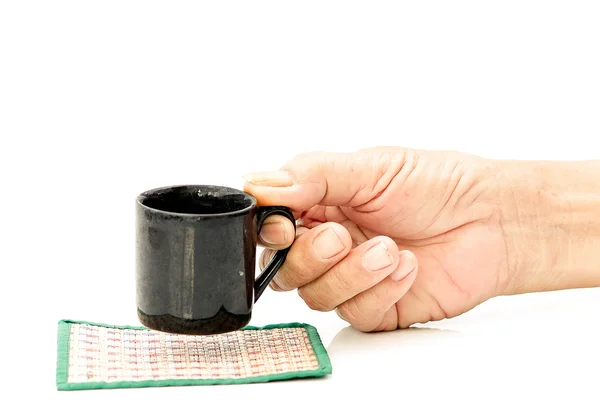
{"x":551,"y":219}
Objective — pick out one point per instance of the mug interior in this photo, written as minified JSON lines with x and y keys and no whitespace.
{"x":197,"y":200}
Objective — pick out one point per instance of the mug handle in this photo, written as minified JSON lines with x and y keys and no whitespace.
{"x":262,"y":281}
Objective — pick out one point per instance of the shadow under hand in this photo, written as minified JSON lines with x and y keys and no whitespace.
{"x":352,"y":341}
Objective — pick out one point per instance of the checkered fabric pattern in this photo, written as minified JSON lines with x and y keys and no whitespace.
{"x":102,"y":356}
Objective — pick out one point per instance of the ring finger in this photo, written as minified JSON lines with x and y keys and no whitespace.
{"x":364,"y":267}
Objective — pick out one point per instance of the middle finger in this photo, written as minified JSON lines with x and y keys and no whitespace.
{"x":312,"y":254}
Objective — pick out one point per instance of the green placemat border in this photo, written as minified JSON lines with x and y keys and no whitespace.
{"x":62,"y":365}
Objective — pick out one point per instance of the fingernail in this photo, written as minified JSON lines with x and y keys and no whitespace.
{"x":340,"y":315}
{"x":378,"y":257}
{"x":406,"y":265}
{"x":265,"y":257}
{"x":327,"y":244}
{"x":270,"y":179}
{"x":273,"y":233}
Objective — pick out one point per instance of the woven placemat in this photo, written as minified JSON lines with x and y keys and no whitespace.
{"x":95,"y":355}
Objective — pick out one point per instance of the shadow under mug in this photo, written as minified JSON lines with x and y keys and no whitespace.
{"x":196,"y":258}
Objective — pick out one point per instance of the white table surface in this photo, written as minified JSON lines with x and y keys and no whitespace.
{"x":530,"y":350}
{"x":100,"y":101}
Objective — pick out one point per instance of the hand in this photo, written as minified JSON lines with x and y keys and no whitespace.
{"x":388,"y":237}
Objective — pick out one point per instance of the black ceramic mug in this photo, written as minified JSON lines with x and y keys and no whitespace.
{"x":196,"y":257}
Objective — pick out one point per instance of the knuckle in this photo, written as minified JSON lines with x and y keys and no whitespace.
{"x":344,"y":284}
{"x":274,"y":286}
{"x":349,"y":278}
{"x":292,"y":275}
{"x":295,"y":272}
{"x":352,"y":313}
{"x":299,"y":163}
{"x":312,"y":301}
{"x":281,"y":281}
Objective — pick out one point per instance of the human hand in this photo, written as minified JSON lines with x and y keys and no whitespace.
{"x":389,"y":237}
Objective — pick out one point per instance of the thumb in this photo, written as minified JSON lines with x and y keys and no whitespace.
{"x":332,"y":179}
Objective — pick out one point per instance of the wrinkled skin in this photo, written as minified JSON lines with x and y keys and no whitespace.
{"x":440,"y":208}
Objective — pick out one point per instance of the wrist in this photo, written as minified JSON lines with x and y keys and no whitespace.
{"x":550,"y":215}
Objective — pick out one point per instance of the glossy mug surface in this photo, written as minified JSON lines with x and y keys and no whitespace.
{"x":196,"y":257}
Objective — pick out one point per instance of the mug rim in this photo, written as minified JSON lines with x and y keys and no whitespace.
{"x":148,"y":193}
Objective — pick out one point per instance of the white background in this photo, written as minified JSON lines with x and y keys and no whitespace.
{"x":100,"y":100}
